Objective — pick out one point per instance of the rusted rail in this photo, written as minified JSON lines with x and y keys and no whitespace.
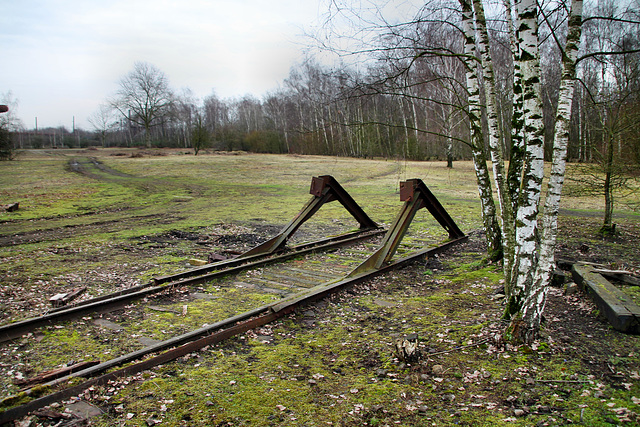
{"x":191,"y":277}
{"x":324,"y":189}
{"x":195,"y":340}
{"x":200,"y":338}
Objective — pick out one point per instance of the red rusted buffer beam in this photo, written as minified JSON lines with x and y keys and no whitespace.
{"x":325,"y":189}
{"x":416,"y":196}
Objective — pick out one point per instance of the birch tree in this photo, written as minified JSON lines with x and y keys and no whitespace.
{"x":526,"y":325}
{"x":528,"y":246}
{"x":489,"y":214}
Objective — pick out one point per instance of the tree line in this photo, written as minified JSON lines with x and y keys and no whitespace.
{"x":408,"y":103}
{"x":525,"y":85}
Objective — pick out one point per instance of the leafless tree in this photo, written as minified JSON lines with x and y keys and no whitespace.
{"x":103,"y":121}
{"x":610,"y":105}
{"x":9,"y":125}
{"x":144,"y":98}
{"x":183,"y":119}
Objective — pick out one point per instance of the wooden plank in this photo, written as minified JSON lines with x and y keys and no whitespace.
{"x":319,"y":275}
{"x":621,"y":275}
{"x":619,"y":308}
{"x":263,"y":281}
{"x":53,"y":374}
{"x":272,"y":287}
{"x":63,"y":299}
{"x":295,"y":280}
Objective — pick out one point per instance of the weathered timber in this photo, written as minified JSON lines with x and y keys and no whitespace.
{"x":621,"y":275}
{"x":11,"y":207}
{"x":59,"y":300}
{"x":47,"y":376}
{"x":619,"y":309}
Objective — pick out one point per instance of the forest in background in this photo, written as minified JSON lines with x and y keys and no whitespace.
{"x":406,"y":100}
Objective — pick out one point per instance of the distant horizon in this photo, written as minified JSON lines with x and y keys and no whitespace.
{"x":63,"y":58}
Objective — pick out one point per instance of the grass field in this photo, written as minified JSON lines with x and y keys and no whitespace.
{"x":112,"y":218}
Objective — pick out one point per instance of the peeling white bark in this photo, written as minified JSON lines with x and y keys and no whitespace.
{"x":495,"y":146}
{"x":491,"y":225}
{"x":526,"y":218}
{"x":534,"y":304}
{"x":528,"y":243}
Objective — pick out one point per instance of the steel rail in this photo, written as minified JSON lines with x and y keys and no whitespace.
{"x":301,"y":249}
{"x":121,"y":298}
{"x":416,"y":196}
{"x":328,"y":243}
{"x":193,"y":341}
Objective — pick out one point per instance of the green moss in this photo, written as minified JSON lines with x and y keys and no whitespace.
{"x":114,"y":226}
{"x":15,"y":400}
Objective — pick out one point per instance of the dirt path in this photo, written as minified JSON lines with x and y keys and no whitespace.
{"x":74,"y":230}
{"x":93,"y":168}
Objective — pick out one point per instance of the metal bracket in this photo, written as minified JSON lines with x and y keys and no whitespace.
{"x":325,"y":189}
{"x":416,"y":195}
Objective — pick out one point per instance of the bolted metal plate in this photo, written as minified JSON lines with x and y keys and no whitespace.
{"x":406,"y":190}
{"x":317,"y":185}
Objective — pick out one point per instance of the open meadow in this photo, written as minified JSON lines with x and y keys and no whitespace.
{"x":108,"y":219}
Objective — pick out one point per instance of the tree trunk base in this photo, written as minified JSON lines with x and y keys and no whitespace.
{"x":519,"y":332}
{"x":608,"y":230}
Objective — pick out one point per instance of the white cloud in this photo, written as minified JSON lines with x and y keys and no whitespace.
{"x":62,"y":58}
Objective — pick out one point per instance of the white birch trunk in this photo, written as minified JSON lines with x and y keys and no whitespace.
{"x":516,"y":143}
{"x":406,"y":128}
{"x":491,"y":225}
{"x":415,"y":119}
{"x":496,"y":148}
{"x":527,"y":214}
{"x":534,"y":304}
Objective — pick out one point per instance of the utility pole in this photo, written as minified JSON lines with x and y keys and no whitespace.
{"x":75,"y":135}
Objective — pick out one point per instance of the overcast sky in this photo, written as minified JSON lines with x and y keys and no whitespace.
{"x":62,"y":58}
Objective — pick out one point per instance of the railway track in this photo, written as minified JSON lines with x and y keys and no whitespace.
{"x":165,"y":284}
{"x":124,"y":333}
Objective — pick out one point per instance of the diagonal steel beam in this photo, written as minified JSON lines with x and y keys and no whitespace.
{"x":416,"y":188}
{"x":325,"y":189}
{"x":416,"y":196}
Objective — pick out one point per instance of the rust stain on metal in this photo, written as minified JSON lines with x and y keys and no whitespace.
{"x":325,"y":189}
